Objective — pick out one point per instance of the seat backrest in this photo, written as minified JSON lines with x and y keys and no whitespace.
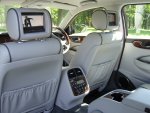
{"x":30,"y":67}
{"x":99,"y":51}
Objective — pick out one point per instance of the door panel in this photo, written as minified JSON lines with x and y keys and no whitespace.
{"x":135,"y":63}
{"x":145,"y":66}
{"x":145,"y":44}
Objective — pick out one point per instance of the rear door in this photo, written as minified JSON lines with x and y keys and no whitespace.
{"x":134,"y":67}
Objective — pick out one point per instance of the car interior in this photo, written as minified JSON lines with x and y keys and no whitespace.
{"x":82,"y":56}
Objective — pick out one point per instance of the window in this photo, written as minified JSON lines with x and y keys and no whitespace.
{"x":138,"y":21}
{"x":57,"y":15}
{"x":82,"y":23}
{"x":3,"y":13}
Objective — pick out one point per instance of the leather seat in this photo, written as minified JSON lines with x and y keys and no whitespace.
{"x":99,"y":51}
{"x":30,"y":66}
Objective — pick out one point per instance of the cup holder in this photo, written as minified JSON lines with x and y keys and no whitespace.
{"x":117,"y":96}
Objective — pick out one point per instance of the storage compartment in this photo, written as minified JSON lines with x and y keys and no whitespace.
{"x":116,"y":95}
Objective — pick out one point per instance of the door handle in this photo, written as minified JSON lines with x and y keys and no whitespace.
{"x":144,"y":44}
{"x":137,"y":44}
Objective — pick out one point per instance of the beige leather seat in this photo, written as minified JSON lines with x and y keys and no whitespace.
{"x":99,"y":51}
{"x":30,"y":67}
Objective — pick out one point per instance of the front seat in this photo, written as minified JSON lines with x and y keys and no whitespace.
{"x":99,"y":51}
{"x":30,"y":67}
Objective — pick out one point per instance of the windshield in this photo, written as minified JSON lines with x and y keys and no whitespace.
{"x":57,"y":16}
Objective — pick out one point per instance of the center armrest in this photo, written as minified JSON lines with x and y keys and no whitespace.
{"x":121,"y":101}
{"x":139,"y":99}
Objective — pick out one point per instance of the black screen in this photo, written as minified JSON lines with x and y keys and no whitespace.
{"x":33,"y":22}
{"x":112,"y":19}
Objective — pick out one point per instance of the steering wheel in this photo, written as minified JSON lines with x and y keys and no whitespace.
{"x":65,"y":40}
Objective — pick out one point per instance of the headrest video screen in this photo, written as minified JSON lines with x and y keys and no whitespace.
{"x":33,"y":22}
{"x":112,"y":19}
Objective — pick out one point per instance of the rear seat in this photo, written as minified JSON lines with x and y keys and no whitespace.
{"x":31,"y":65}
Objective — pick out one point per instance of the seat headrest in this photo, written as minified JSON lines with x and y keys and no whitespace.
{"x":28,"y":24}
{"x":104,"y":20}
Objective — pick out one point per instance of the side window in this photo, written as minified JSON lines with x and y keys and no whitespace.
{"x":82,"y":23}
{"x":3,"y":13}
{"x":138,"y":21}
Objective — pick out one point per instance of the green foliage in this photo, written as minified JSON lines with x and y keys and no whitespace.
{"x":130,"y":16}
{"x":3,"y":12}
{"x":130,"y":11}
{"x":143,"y":32}
{"x":2,"y":18}
{"x":82,"y":20}
{"x":146,"y":17}
{"x":57,"y":15}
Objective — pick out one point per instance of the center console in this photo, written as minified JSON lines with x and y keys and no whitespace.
{"x":122,"y":101}
{"x":116,"y":95}
{"x":73,"y":88}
